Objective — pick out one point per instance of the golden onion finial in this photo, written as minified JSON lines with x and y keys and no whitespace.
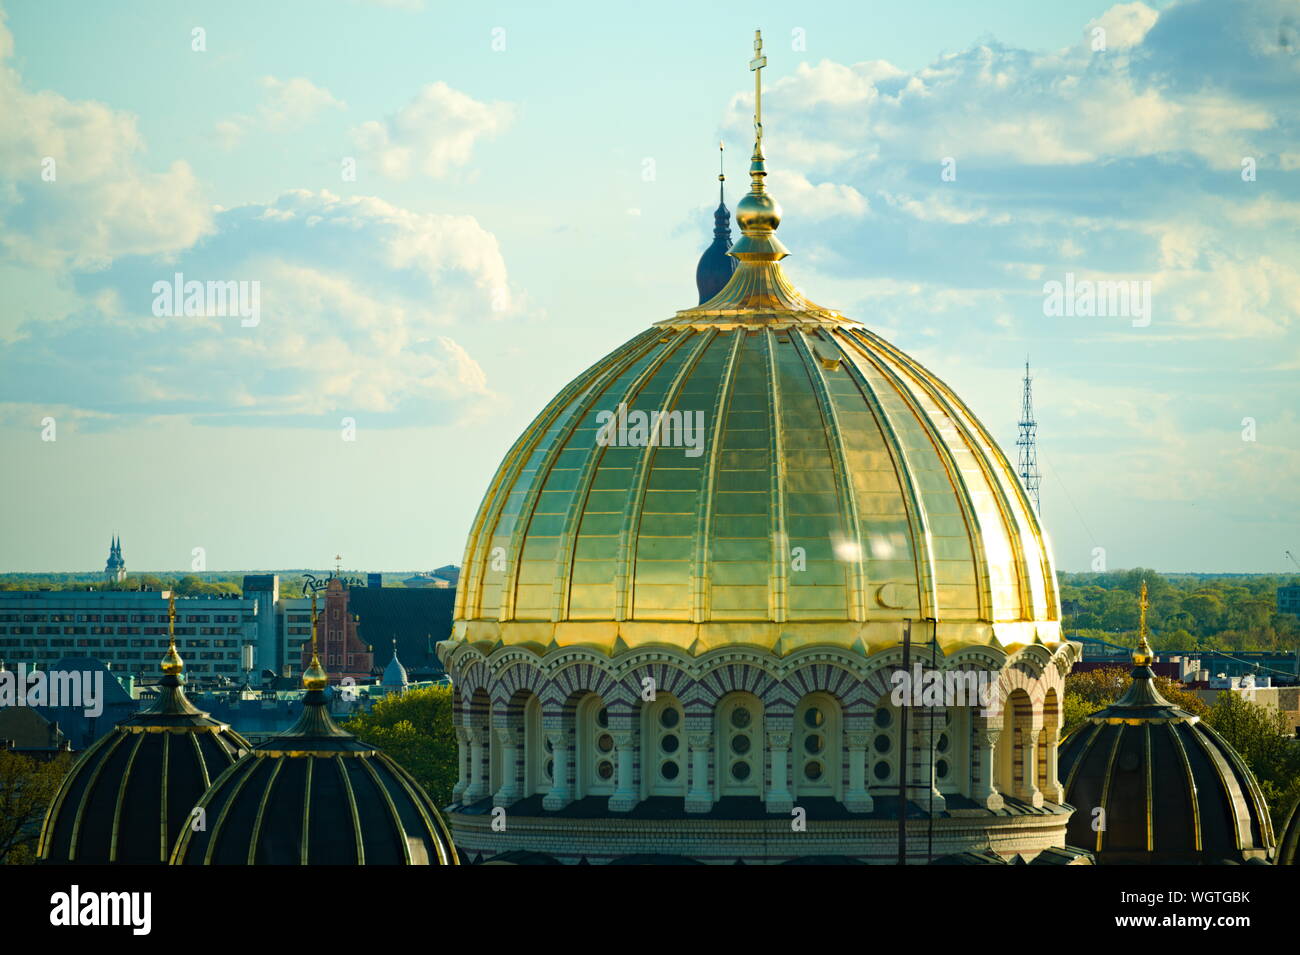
{"x":1143,"y":655}
{"x":314,"y":677}
{"x":172,"y":663}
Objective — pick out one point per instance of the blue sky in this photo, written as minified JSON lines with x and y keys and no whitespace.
{"x":533,"y":186}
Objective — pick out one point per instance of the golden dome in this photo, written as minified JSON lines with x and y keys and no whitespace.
{"x":756,"y":470}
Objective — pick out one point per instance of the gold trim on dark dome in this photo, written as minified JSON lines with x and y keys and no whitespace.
{"x":129,"y":795}
{"x":1173,"y":790}
{"x":317,"y":795}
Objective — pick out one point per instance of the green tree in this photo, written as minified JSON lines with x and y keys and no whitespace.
{"x":1089,"y":691}
{"x":27,"y":786}
{"x":415,"y":729}
{"x":1258,"y":733}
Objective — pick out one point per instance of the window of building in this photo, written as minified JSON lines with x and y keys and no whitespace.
{"x":740,"y":751}
{"x":817,"y":747}
{"x":663,"y":747}
{"x":595,"y":748}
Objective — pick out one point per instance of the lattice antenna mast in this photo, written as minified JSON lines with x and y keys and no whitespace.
{"x":1027,"y":444}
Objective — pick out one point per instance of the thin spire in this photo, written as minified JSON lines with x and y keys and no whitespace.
{"x":1143,"y":656}
{"x":172,"y":663}
{"x":314,"y":677}
{"x":722,"y":174}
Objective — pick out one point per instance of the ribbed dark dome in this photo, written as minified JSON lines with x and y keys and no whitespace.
{"x":1173,"y":790}
{"x":317,"y":795}
{"x":129,"y":795}
{"x":1288,"y":847}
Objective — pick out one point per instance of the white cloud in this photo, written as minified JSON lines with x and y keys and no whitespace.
{"x":103,"y":200}
{"x":363,"y":308}
{"x":433,"y":134}
{"x":289,"y":104}
{"x":815,"y":202}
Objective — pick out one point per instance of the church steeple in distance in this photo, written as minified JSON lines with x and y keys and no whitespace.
{"x":716,"y":265}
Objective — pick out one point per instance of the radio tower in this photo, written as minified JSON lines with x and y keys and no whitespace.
{"x":1028,"y":443}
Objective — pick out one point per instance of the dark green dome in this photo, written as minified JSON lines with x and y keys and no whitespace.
{"x":129,"y":795}
{"x":317,"y":795}
{"x":1173,"y":790}
{"x":1288,"y":847}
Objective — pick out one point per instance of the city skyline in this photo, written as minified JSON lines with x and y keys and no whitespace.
{"x":502,"y":200}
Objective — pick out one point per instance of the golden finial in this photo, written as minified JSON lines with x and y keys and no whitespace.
{"x":172,"y":663}
{"x":314,"y":677}
{"x":1143,"y":656}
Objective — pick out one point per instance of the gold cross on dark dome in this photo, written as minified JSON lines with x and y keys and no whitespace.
{"x":757,"y":63}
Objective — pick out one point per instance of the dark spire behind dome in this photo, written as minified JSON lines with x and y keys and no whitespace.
{"x":1172,"y":789}
{"x":716,"y":264}
{"x":131,"y":793}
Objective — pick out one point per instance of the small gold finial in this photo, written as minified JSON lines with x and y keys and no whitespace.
{"x":172,"y":663}
{"x":1143,"y":656}
{"x":314,"y":677}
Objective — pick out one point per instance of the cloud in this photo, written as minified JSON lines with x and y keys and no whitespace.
{"x":74,"y":188}
{"x":360,"y":303}
{"x":433,"y":134}
{"x":289,"y":104}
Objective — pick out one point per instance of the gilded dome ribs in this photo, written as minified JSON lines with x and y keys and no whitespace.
{"x":700,"y":602}
{"x":780,"y":542}
{"x":974,"y":536}
{"x":1022,"y":518}
{"x":565,"y":427}
{"x":630,"y":541}
{"x":919,"y":530}
{"x":856,"y":573}
{"x":566,"y":549}
{"x":477,"y":558}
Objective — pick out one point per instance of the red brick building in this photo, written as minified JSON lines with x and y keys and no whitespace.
{"x":342,"y":651}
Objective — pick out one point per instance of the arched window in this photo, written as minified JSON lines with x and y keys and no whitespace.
{"x":536,"y":755}
{"x":817,"y":747}
{"x":883,"y":755}
{"x":595,"y":748}
{"x":952,"y":762}
{"x":663,"y":752}
{"x":739,"y":733}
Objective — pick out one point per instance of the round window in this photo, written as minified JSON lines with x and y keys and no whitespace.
{"x":605,"y":743}
{"x":740,"y":717}
{"x":669,"y":717}
{"x":669,"y":770}
{"x":605,"y":769}
{"x":881,"y":769}
{"x":602,"y":718}
{"x":884,"y":717}
{"x":548,"y":745}
{"x":740,"y":770}
{"x":812,"y":770}
{"x":941,"y":744}
{"x":670,"y":743}
{"x":813,"y":743}
{"x":550,"y":768}
{"x":883,"y":743}
{"x":813,"y":717}
{"x":941,"y":769}
{"x":740,"y":744}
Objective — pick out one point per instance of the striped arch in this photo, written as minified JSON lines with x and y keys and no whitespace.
{"x":667,"y":677}
{"x":580,"y":678}
{"x":732,"y":677}
{"x":827,"y":678}
{"x":511,"y":687}
{"x":474,"y":677}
